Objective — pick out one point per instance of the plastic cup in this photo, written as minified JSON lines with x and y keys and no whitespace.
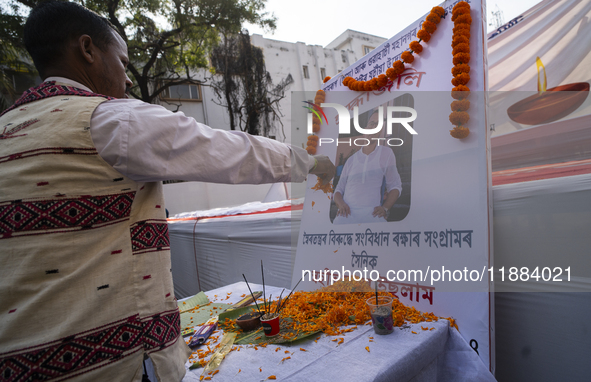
{"x":381,"y":314}
{"x":270,"y":326}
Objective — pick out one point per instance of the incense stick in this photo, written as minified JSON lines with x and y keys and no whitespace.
{"x":377,"y":292}
{"x":264,"y":298}
{"x":255,"y":300}
{"x":289,"y":295}
{"x":279,"y":302}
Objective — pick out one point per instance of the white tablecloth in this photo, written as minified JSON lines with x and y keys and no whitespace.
{"x":433,"y":355}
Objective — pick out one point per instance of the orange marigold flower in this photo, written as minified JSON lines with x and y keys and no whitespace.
{"x":459,"y":132}
{"x":459,"y":39}
{"x":463,"y":32}
{"x":461,"y":68}
{"x":272,"y":377}
{"x":463,"y":19}
{"x":461,"y":4}
{"x":391,"y":73}
{"x":407,"y":57}
{"x":461,"y":105}
{"x":458,"y":12}
{"x":315,"y":119}
{"x":346,"y":80}
{"x":398,"y":67}
{"x":321,"y":92}
{"x":315,"y":128}
{"x":461,"y":79}
{"x":438,"y":11}
{"x":429,"y":26}
{"x":459,"y":27}
{"x":460,"y":92}
{"x":424,"y":35}
{"x":382,"y":80}
{"x":461,"y":58}
{"x":326,"y":79}
{"x":319,"y":100}
{"x":434,"y":18}
{"x":312,"y":138}
{"x":312,"y":143}
{"x":461,"y":48}
{"x":416,"y":47}
{"x":459,"y":118}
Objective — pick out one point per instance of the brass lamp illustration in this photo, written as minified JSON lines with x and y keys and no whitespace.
{"x":548,"y":105}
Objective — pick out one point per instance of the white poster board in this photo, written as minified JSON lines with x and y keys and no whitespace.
{"x":442,"y":219}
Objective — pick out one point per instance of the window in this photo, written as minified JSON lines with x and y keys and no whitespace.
{"x":183,"y":92}
{"x":306,"y":74}
{"x":322,"y":73}
{"x":367,"y":49}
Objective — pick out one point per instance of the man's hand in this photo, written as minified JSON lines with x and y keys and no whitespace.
{"x":324,"y":169}
{"x":343,"y":208}
{"x":380,"y":211}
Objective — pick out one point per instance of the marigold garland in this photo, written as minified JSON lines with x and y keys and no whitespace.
{"x":461,"y":71}
{"x":429,"y":26}
{"x":331,"y":308}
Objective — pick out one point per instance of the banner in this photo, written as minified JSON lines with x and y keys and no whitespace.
{"x":432,"y":246}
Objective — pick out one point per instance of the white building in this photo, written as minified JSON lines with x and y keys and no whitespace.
{"x":307,"y":65}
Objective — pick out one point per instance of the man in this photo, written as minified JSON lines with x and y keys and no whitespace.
{"x":358,"y":193}
{"x":85,"y":283}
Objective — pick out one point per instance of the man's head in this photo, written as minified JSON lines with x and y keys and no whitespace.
{"x":68,"y":40}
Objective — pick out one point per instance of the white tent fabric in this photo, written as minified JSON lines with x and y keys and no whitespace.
{"x":212,"y":253}
{"x":542,"y":336}
{"x":559,"y":33}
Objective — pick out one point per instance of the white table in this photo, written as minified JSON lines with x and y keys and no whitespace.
{"x":433,"y":355}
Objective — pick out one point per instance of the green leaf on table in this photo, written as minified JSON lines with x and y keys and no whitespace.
{"x":198,"y":300}
{"x":199,"y":316}
{"x":252,"y":337}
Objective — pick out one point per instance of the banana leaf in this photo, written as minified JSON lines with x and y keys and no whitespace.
{"x":286,"y":335}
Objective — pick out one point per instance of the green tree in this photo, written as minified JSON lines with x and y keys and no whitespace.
{"x":13,"y":57}
{"x":243,"y":85}
{"x":169,"y":40}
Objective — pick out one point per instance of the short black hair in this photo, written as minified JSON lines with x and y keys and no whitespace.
{"x":53,"y":24}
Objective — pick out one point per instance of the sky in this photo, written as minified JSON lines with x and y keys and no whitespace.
{"x":318,"y":22}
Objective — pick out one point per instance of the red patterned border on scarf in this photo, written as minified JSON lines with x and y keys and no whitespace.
{"x":149,"y":236}
{"x":20,"y":218}
{"x":92,"y":349}
{"x":50,"y":89}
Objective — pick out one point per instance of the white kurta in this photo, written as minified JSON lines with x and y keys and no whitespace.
{"x":149,"y":143}
{"x":361,"y":182}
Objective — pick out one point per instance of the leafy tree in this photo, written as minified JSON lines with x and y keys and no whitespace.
{"x":13,"y":57}
{"x":244,"y":86}
{"x":169,"y":40}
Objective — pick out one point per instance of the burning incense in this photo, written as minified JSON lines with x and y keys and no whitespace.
{"x":289,"y":295}
{"x":255,"y":300}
